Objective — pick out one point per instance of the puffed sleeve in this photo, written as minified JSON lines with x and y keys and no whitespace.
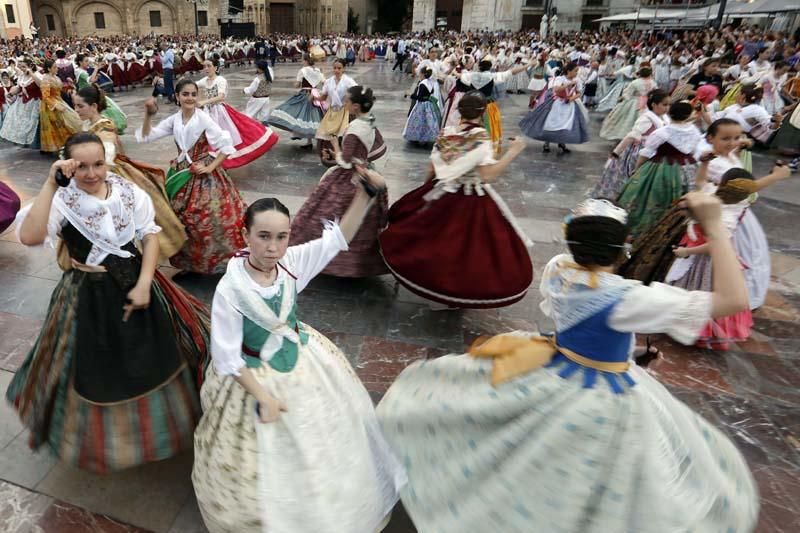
{"x":163,"y":129}
{"x":249,"y":90}
{"x":503,"y":77}
{"x":217,"y":137}
{"x":222,"y":85}
{"x":660,"y":308}
{"x":640,"y":127}
{"x":55,"y":222}
{"x":226,"y":337}
{"x":653,"y":141}
{"x":144,"y":214}
{"x":310,"y":258}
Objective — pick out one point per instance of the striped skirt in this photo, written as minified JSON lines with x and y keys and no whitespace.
{"x":104,"y":436}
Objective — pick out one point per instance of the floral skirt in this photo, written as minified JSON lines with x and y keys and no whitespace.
{"x":324,"y":466}
{"x":437,"y":249}
{"x":620,"y":121}
{"x":151,"y":180}
{"x":329,"y":201}
{"x":651,"y":191}
{"x":103,"y":435}
{"x":21,"y":123}
{"x":423,"y":123}
{"x":617,"y":172}
{"x":298,"y":115}
{"x":57,"y":126}
{"x":211,"y":210}
{"x":544,"y":453}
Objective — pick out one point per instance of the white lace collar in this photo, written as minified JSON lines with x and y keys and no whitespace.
{"x":683,"y":137}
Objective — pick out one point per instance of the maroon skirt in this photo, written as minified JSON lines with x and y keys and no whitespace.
{"x":329,"y":201}
{"x":136,"y":72}
{"x":457,"y":250}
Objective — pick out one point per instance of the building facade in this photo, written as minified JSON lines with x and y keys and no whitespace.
{"x":287,"y":16}
{"x":513,"y":15}
{"x":15,"y":20}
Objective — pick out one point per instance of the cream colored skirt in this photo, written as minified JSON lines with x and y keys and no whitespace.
{"x":334,"y":123}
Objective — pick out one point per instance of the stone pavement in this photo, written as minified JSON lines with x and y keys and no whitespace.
{"x":750,"y":392}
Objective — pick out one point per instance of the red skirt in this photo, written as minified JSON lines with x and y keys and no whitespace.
{"x":257,"y":139}
{"x":457,"y":250}
{"x":192,"y":65}
{"x":117,"y":75}
{"x":136,"y":73}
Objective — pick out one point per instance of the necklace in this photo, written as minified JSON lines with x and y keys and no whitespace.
{"x":249,"y":262}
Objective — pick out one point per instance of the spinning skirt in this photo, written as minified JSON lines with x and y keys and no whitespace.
{"x":438,"y":250}
{"x":752,"y":248}
{"x":616,"y":173}
{"x":298,"y":115}
{"x":56,"y":127}
{"x":611,"y":98}
{"x":651,"y":191}
{"x":544,"y":453}
{"x":251,"y":138}
{"x":258,"y":109}
{"x":136,"y":72}
{"x":84,"y":345}
{"x":21,"y":123}
{"x":533,"y":124}
{"x":334,"y":124}
{"x":620,"y":121}
{"x":324,"y":466}
{"x":423,"y":123}
{"x":329,"y":201}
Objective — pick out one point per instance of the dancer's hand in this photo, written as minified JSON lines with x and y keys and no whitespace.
{"x":138,"y":298}
{"x":680,"y":251}
{"x":151,"y":106}
{"x":200,"y":168}
{"x":269,"y":409}
{"x":517,"y":145}
{"x":781,"y":171}
{"x":66,"y":166}
{"x":373,"y":177}
{"x":705,"y":208}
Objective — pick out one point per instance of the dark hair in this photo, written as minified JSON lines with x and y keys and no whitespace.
{"x":752,"y":93}
{"x":214,"y":60}
{"x":93,"y":94}
{"x":656,"y":96}
{"x":260,"y":206}
{"x":61,"y":54}
{"x":472,"y":105}
{"x":308,"y":59}
{"x":362,"y":96}
{"x":645,"y":72}
{"x":340,"y":61}
{"x":709,"y":62}
{"x":780,"y":64}
{"x":569,"y":67}
{"x":714,"y":127}
{"x":595,"y":240}
{"x":679,"y":111}
{"x":427,"y":72}
{"x":47,"y":64}
{"x":263,"y":66}
{"x":183,"y":83}
{"x":735,"y":174}
{"x":79,"y":59}
{"x":484,"y":65}
{"x":82,"y":137}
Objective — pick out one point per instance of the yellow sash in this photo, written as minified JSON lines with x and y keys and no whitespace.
{"x":514,"y":356}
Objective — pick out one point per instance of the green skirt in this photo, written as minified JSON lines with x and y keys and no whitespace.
{"x":650,"y":192}
{"x":115,"y":115}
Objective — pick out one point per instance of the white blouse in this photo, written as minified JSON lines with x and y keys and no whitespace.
{"x":336,"y":91}
{"x":311,"y":74}
{"x":645,"y":122}
{"x":219,"y":83}
{"x":747,"y":116}
{"x":109,"y":223}
{"x":683,"y":137}
{"x":186,"y":135}
{"x":304,"y":261}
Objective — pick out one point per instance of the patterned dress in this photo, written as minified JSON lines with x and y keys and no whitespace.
{"x":532,"y":433}
{"x":329,"y":201}
{"x":21,"y":122}
{"x":209,"y":206}
{"x":100,"y":393}
{"x":57,"y":120}
{"x":324,"y":465}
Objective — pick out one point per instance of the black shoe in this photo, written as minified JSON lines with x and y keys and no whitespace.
{"x":546,"y":148}
{"x":564,"y":149}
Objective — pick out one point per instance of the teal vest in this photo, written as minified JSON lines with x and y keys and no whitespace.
{"x":255,"y":336}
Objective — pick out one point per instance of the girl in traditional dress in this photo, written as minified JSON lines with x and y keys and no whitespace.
{"x":424,"y":119}
{"x":733,"y":78}
{"x":519,"y":81}
{"x":289,"y":441}
{"x":538,"y":81}
{"x":362,"y":143}
{"x":457,"y":90}
{"x":622,"y":160}
{"x":751,"y":116}
{"x":21,"y":123}
{"x":430,"y":243}
{"x":561,"y":117}
{"x":302,"y":113}
{"x":120,"y":387}
{"x":484,"y":82}
{"x":89,"y":103}
{"x":259,"y":91}
{"x":692,"y":269}
{"x":623,"y":77}
{"x":251,"y":139}
{"x":334,"y":123}
{"x":772,"y":84}
{"x":202,"y":195}
{"x":57,"y":120}
{"x":665,"y":170}
{"x":562,"y":433}
{"x":82,"y":80}
{"x":8,"y":95}
{"x":620,"y":121}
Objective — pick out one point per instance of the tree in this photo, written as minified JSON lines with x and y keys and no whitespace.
{"x":352,"y":21}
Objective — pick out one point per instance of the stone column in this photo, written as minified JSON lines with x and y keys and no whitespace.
{"x":424,"y":16}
